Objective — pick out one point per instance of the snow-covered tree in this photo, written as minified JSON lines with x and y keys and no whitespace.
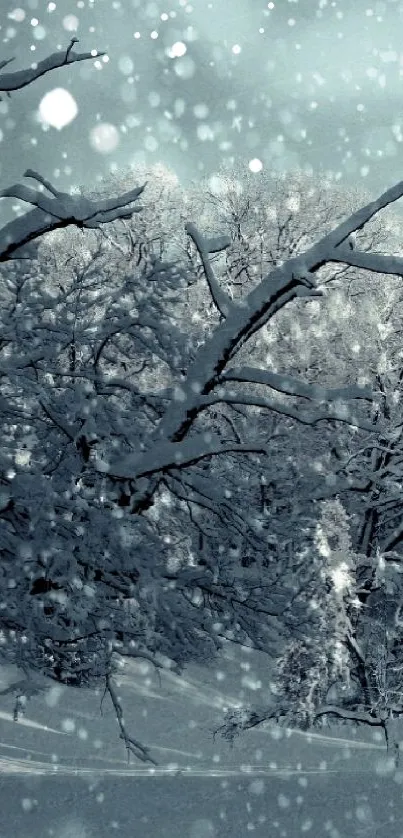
{"x":112,"y":416}
{"x":347,"y":671}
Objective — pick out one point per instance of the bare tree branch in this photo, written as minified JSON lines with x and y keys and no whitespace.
{"x":284,"y":383}
{"x":340,"y":413}
{"x":132,"y":745}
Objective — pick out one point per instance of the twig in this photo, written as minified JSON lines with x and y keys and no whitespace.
{"x":132,"y":745}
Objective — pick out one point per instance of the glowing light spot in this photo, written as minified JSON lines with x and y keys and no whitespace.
{"x":17,"y":14}
{"x":125,"y":65}
{"x":104,"y":138}
{"x":58,"y":108}
{"x":255,"y":165}
{"x":39,"y":33}
{"x":185,"y":67}
{"x":70,"y":23}
{"x":177,"y":50}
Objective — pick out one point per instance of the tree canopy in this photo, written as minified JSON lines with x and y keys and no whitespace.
{"x":196,"y":446}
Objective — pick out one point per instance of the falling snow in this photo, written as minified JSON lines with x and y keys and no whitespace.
{"x":104,"y":138}
{"x":284,"y":87}
{"x":58,"y":108}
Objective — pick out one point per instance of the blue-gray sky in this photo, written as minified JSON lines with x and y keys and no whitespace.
{"x":314,"y":83}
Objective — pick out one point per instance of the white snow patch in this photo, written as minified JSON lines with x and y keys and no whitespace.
{"x":200,"y":111}
{"x":251,"y":683}
{"x":205,"y":132}
{"x":28,"y":804}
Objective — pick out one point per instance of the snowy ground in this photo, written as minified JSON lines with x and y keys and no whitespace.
{"x":64,"y":772}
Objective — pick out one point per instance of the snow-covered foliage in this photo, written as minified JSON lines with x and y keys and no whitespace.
{"x":146,"y":503}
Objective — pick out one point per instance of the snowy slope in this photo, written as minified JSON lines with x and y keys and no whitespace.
{"x":64,"y":771}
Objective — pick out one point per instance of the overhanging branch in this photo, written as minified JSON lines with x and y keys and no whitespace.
{"x":377,"y":262}
{"x":204,"y":247}
{"x":22,"y":78}
{"x":60,"y":210}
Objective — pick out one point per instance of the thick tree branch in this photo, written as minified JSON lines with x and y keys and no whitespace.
{"x":393,"y":539}
{"x":361,"y":716}
{"x":376,"y":262}
{"x":358,"y":219}
{"x":170,"y":455}
{"x":166,"y":455}
{"x":61,"y":210}
{"x":22,"y":78}
{"x":204,"y":247}
{"x":275,"y":291}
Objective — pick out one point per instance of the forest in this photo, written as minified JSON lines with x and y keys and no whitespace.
{"x":202,"y":436}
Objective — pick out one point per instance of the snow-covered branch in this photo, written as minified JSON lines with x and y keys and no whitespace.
{"x":61,"y":209}
{"x":377,"y":262}
{"x":335,"y":412}
{"x":166,"y":455}
{"x":394,"y":538}
{"x":293,"y":387}
{"x":238,"y":720}
{"x":22,"y":78}
{"x":358,"y":219}
{"x":58,"y":211}
{"x":204,"y":247}
{"x":277,"y":289}
{"x":57,"y":420}
{"x":170,"y":455}
{"x":274,"y":292}
{"x":157,"y":660}
{"x":359,"y":716}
